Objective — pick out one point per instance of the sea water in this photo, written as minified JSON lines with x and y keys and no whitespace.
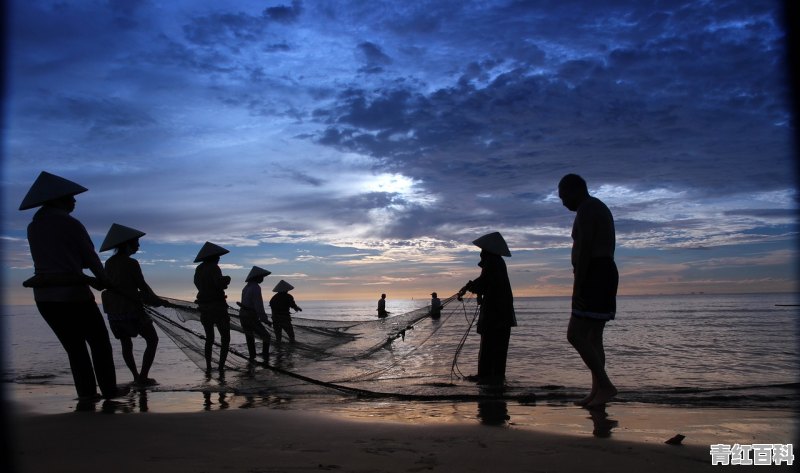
{"x":719,"y":350}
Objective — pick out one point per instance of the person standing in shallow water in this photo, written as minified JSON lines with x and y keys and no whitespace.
{"x":382,"y":307}
{"x":594,"y":290}
{"x":252,"y":313}
{"x":436,"y":306}
{"x":211,"y":285}
{"x":123,"y":303}
{"x":280,"y":304}
{"x":61,"y":249}
{"x":496,"y":316}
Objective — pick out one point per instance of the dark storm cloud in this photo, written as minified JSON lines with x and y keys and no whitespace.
{"x":255,"y":122}
{"x":683,"y":90}
{"x":374,"y":58}
{"x":285,"y":14}
{"x":225,"y":29}
{"x":100,"y":117}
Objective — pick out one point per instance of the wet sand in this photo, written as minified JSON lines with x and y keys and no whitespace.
{"x":195,"y":433}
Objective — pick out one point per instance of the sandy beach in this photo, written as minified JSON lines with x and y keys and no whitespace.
{"x":184,"y":432}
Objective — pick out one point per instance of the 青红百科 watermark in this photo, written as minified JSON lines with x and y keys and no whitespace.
{"x":755,"y":454}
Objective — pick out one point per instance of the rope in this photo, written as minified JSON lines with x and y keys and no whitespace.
{"x":454,"y":366}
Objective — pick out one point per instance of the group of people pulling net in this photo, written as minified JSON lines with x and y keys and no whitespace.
{"x":352,"y":356}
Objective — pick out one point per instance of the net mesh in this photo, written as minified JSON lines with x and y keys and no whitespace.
{"x":410,"y":354}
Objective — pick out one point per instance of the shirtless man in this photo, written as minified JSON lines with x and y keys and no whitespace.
{"x":595,"y":283}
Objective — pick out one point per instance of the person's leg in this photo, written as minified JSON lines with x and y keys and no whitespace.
{"x":247,"y":329}
{"x":492,"y":356}
{"x":265,"y":339}
{"x":277,"y":326}
{"x":224,"y":326}
{"x":289,"y":330}
{"x":208,"y":327}
{"x":127,"y":355}
{"x":605,"y":388}
{"x":484,"y":357}
{"x":148,"y":332}
{"x":59,"y":316}
{"x":96,"y":335}
{"x":582,"y":335}
{"x":501,"y":353}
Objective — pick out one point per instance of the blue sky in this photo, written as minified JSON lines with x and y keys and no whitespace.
{"x":358,"y":147}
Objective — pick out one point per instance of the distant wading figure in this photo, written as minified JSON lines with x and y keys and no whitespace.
{"x":594,"y":290}
{"x":496,"y":316}
{"x":436,"y":306}
{"x":61,"y":249}
{"x":211,"y":285}
{"x":280,"y":305}
{"x":382,"y":307}
{"x":123,"y":303}
{"x":252,"y":313}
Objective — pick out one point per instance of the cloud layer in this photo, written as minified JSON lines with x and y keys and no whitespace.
{"x":360,"y":143}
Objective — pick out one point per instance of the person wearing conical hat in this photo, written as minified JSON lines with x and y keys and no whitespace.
{"x":61,"y":248}
{"x":436,"y":306}
{"x":280,"y":304}
{"x":252,"y":313}
{"x":211,"y":285}
{"x":496,"y":316}
{"x":594,"y":289}
{"x":124,"y":302}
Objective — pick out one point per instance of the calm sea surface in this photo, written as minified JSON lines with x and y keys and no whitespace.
{"x":722,"y":350}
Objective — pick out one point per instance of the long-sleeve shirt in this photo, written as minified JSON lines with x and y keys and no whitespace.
{"x":253,"y":300}
{"x":60,"y":244}
{"x":211,"y":285}
{"x":129,"y":286}
{"x":281,"y":302}
{"x":494,"y":287}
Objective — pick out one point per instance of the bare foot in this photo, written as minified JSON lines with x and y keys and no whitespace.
{"x":586,"y":400}
{"x":603,"y":396}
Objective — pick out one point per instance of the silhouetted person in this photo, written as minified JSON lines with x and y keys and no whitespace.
{"x":436,"y":306}
{"x":211,"y":285}
{"x":61,"y":249}
{"x":496,"y":301}
{"x":123,"y":302}
{"x":594,"y":290}
{"x":280,"y":304}
{"x":382,"y":307}
{"x":252,"y":313}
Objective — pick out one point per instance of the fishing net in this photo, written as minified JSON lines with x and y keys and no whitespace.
{"x":410,"y":354}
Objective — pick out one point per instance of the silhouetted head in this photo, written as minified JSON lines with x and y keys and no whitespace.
{"x":66,"y":203}
{"x":119,"y":236}
{"x":572,"y":190}
{"x":433,"y":294}
{"x":128,"y":248}
{"x":383,"y":296}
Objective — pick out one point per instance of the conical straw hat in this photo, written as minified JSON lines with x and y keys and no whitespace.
{"x":493,"y":243}
{"x":119,"y":234}
{"x":282,"y":286}
{"x":48,"y":187}
{"x":257,"y":272}
{"x":208,"y":250}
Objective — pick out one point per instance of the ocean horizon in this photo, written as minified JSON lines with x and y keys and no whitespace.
{"x":718,"y":350}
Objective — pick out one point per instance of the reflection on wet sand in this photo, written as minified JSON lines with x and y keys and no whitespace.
{"x":602,"y":423}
